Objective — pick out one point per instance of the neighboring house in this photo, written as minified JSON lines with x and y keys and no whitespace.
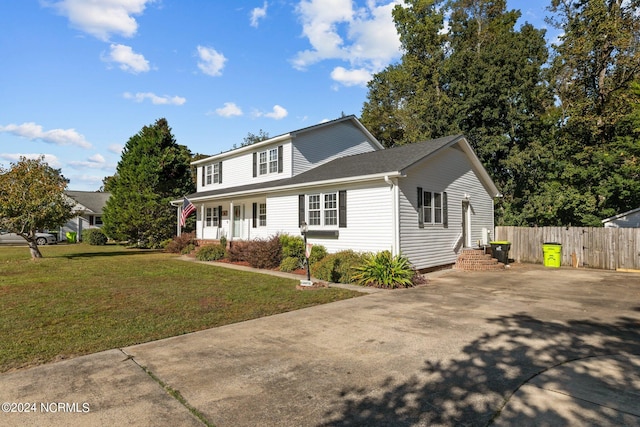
{"x":425,"y":200}
{"x":89,"y":206}
{"x":629,"y":219}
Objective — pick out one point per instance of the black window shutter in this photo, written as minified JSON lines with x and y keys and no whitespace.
{"x":220,"y":173}
{"x":219,"y":216}
{"x":90,"y":219}
{"x":420,"y":208}
{"x":300,"y":209}
{"x":445,"y":210}
{"x":280,"y":165}
{"x":255,"y":164}
{"x":203,"y":172}
{"x":255,"y":215}
{"x":342,"y":209}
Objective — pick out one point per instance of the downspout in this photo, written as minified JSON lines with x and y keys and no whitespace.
{"x":395,"y":222}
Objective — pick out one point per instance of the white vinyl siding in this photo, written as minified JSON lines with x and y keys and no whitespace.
{"x":239,"y":168}
{"x":450,"y":171}
{"x":361,"y":234}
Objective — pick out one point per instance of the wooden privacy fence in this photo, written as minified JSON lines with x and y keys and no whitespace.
{"x":605,"y":248}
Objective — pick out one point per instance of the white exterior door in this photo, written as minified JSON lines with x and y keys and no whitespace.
{"x":237,"y":221}
{"x":466,"y":224}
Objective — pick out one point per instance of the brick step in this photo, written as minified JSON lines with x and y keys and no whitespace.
{"x":477,"y":260}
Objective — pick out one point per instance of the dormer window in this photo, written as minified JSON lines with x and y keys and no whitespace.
{"x":268,"y":161}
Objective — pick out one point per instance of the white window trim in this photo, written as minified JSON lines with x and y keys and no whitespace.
{"x":270,"y":162}
{"x":211,"y":220}
{"x":429,"y":205}
{"x":322,"y":202}
{"x":262,"y":214}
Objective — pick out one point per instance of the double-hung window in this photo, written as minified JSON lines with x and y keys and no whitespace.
{"x":209,"y":175}
{"x":262,"y":214}
{"x":211,"y":217}
{"x":273,"y":160}
{"x":315,"y":211}
{"x":331,"y":209}
{"x":268,"y":161}
{"x":212,"y":174}
{"x":432,"y":208}
{"x":323,"y":209}
{"x":263,"y":163}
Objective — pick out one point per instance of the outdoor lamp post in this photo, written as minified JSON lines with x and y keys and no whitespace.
{"x":303,"y":230}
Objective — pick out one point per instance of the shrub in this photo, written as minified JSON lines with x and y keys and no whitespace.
{"x":188,"y":249}
{"x":292,"y":246}
{"x":211,"y":253}
{"x":317,"y":253}
{"x":264,"y":253}
{"x":179,"y":243}
{"x":289,"y":264}
{"x":237,"y":251}
{"x":383,"y":270}
{"x":338,"y":267}
{"x":223,"y":242}
{"x":94,"y":236}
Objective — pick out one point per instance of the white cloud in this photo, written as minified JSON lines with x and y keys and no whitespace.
{"x":102,"y":18}
{"x":155,"y":99}
{"x":50,"y":159}
{"x":34,"y":131}
{"x":277,"y":113}
{"x":351,"y":77}
{"x":115,"y":148}
{"x":97,"y":161}
{"x":230,"y":109}
{"x":366,"y":38}
{"x":257,"y":14}
{"x":211,"y":61}
{"x":129,"y":60}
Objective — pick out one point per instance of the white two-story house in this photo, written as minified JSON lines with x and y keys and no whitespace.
{"x":425,"y":200}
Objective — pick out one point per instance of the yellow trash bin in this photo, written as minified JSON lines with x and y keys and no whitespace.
{"x":552,"y":254}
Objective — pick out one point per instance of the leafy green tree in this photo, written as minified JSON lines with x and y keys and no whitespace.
{"x":31,"y":199}
{"x":152,"y":171}
{"x":408,"y":101}
{"x":594,"y":67}
{"x":481,"y":77}
{"x":252,"y":138}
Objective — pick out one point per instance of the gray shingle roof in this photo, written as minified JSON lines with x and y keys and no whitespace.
{"x":90,"y":199}
{"x":390,"y":160}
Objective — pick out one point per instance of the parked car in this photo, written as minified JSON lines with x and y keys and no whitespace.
{"x":16,"y":239}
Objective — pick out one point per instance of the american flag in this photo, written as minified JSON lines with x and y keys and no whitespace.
{"x":187,"y":209}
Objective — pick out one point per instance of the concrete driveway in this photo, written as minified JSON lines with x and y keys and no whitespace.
{"x":526,"y":346}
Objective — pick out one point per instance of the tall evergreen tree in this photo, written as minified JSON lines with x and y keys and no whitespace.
{"x":152,"y":171}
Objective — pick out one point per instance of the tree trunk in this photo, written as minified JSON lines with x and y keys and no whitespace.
{"x":35,"y":251}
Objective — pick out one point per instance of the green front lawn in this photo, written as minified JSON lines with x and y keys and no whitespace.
{"x":81,"y":299}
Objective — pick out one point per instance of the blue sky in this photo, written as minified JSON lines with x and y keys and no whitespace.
{"x":80,"y":77}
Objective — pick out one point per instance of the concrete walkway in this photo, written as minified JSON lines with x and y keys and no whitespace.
{"x":526,"y":346}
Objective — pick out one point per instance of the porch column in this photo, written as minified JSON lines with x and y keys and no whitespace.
{"x":179,"y":214}
{"x":201,"y":223}
{"x":231,"y":220}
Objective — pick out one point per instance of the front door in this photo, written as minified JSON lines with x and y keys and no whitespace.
{"x":466,"y":224}
{"x":237,"y":221}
